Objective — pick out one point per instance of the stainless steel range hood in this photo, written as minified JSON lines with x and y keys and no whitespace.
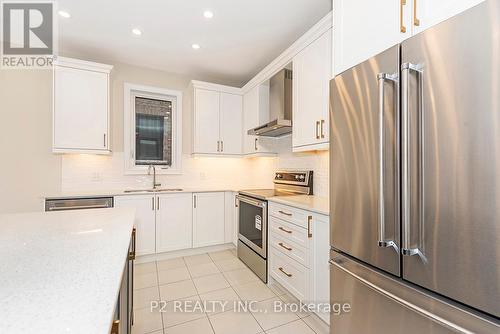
{"x":280,"y":107}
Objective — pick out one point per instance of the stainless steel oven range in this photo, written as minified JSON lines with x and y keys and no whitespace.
{"x":252,"y":216}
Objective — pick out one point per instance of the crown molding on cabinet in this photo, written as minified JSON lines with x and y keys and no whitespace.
{"x":286,"y":56}
{"x":82,"y":64}
{"x":216,"y":87}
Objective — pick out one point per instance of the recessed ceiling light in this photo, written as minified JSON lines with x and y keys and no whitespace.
{"x":64,"y":14}
{"x":196,"y":46}
{"x":208,"y":14}
{"x":136,"y":31}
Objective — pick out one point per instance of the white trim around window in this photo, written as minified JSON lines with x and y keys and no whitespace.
{"x":130,"y":91}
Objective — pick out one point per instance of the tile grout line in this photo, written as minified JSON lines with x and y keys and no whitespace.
{"x":159,"y":296}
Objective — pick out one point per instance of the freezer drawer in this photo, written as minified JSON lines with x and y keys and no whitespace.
{"x":381,"y":304}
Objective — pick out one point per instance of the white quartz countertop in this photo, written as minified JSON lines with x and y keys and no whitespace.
{"x":312,"y":203}
{"x":60,"y":272}
{"x":123,"y":192}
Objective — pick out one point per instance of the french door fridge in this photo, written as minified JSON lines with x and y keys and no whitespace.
{"x":415,"y":182}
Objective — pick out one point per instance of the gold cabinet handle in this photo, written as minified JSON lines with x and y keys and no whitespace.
{"x":416,"y":21}
{"x":322,"y":130}
{"x":284,"y":230}
{"x":317,"y":129}
{"x":309,"y":221}
{"x":115,"y":328}
{"x":402,"y":3}
{"x":285,"y":247}
{"x":131,"y":254}
{"x":284,"y":272}
{"x":285,"y":213}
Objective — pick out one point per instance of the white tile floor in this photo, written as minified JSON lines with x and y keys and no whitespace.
{"x":218,"y":276}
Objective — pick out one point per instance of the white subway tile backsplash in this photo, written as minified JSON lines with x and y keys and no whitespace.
{"x":94,"y":172}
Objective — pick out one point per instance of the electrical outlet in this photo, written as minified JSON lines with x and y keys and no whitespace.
{"x":96,"y":177}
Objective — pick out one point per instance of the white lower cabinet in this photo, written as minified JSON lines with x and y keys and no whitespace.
{"x":144,"y":220}
{"x":299,"y":251}
{"x":176,"y":221}
{"x":208,"y":219}
{"x":173,"y":222}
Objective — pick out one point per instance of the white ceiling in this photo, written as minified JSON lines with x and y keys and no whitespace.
{"x":241,"y":38}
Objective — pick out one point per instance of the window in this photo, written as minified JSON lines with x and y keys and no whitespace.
{"x":152,"y":129}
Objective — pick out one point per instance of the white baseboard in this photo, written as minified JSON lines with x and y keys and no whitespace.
{"x":182,"y":252}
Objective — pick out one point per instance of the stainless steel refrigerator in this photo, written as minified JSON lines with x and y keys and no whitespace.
{"x":415,"y":183}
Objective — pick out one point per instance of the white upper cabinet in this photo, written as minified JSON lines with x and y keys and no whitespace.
{"x":217,"y":119}
{"x":255,"y":113}
{"x":173,"y":222}
{"x":206,"y":121}
{"x":364,"y":28}
{"x":311,"y":78}
{"x":230,"y":123}
{"x":80,"y":107}
{"x":430,"y":12}
{"x":208,"y":219}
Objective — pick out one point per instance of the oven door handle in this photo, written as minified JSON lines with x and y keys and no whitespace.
{"x":260,"y":204}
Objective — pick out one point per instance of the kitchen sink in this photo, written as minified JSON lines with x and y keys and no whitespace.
{"x":168,"y":189}
{"x":151,"y":190}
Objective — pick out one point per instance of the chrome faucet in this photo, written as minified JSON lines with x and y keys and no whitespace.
{"x":155,"y":185}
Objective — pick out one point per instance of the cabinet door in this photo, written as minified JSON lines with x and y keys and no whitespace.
{"x":208,"y":219}
{"x":430,"y":12}
{"x":320,"y":268}
{"x":312,"y":72}
{"x":255,"y":109}
{"x":80,"y":109}
{"x":144,"y":220}
{"x":231,"y":127}
{"x":250,"y":119}
{"x":206,"y":121}
{"x":365,"y":28}
{"x":174,"y":222}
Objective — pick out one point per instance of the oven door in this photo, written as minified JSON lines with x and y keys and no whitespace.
{"x":252,"y":223}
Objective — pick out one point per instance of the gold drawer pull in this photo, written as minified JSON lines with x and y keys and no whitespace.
{"x":285,"y":213}
{"x":284,"y":230}
{"x":285,"y":247}
{"x":284,"y":272}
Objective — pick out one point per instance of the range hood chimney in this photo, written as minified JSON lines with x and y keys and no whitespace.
{"x":280,"y":107}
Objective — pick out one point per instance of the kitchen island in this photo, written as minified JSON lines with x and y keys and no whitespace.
{"x":61,"y":272}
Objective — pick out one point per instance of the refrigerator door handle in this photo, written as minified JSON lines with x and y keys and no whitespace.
{"x":382,"y":79}
{"x":406,"y":69}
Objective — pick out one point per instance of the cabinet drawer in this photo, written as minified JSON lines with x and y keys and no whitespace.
{"x":289,"y":232}
{"x":292,"y":215}
{"x":291,"y":249}
{"x":289,"y":273}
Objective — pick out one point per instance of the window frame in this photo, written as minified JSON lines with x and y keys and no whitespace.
{"x":130,"y":92}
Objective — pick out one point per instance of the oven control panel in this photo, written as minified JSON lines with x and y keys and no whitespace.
{"x":292,"y":177}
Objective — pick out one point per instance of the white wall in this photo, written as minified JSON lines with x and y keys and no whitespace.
{"x":29,"y":169}
{"x":90,"y":172}
{"x":27,"y":166}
